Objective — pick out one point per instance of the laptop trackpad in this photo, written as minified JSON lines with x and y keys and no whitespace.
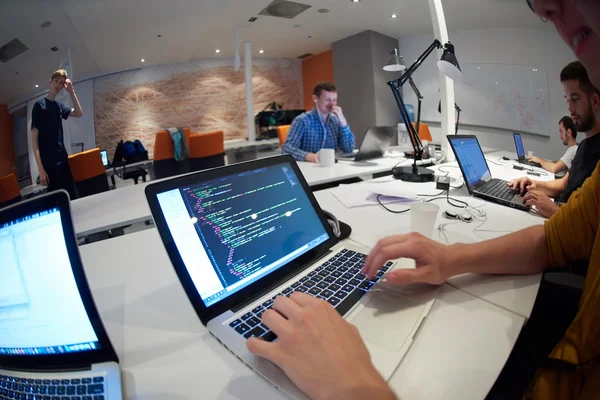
{"x":388,"y":320}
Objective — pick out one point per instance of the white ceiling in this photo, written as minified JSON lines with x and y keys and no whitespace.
{"x":113,"y":35}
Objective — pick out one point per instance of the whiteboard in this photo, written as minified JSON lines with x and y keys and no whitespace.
{"x":505,"y":96}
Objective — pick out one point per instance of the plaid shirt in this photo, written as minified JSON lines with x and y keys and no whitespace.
{"x":309,"y":135}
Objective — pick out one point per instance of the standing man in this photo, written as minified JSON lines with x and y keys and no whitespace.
{"x":568,"y":135}
{"x":324,"y":127}
{"x":47,"y":137}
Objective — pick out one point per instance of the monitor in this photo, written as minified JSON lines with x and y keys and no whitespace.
{"x":41,"y":308}
{"x":104,"y":156}
{"x":233,"y":230}
{"x":471,"y":159}
{"x":519,"y":146}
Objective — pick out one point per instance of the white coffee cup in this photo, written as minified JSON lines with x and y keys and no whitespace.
{"x":422,"y":217}
{"x":529,"y":154}
{"x":326,"y":157}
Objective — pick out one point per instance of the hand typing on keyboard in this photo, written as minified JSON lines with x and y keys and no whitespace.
{"x":546,"y":207}
{"x":522,"y":184}
{"x":319,"y":351}
{"x":432,"y":259}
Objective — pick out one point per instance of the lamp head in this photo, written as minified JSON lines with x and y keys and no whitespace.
{"x":395,"y":62}
{"x":448,"y":64}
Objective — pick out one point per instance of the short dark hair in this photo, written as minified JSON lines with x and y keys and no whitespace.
{"x":326,"y":86}
{"x":575,"y":71}
{"x":568,"y":124}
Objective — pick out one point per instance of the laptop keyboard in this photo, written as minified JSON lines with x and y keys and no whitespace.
{"x":13,"y":388}
{"x":498,"y":188}
{"x":338,"y":281}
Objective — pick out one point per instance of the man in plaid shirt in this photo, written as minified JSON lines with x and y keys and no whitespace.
{"x":324,"y":127}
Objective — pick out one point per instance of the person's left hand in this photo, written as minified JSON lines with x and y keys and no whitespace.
{"x":544,"y":204}
{"x":337,"y":110}
{"x":535,"y":159}
{"x":69,"y":86}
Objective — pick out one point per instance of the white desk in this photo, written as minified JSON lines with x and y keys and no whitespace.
{"x":148,"y":165}
{"x":32,"y":189}
{"x":166,"y":352}
{"x":128,"y":205}
{"x":371,"y":223}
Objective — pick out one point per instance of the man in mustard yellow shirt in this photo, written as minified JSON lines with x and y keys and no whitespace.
{"x":325,"y":356}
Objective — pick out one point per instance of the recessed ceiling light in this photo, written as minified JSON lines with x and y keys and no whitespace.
{"x":355,"y":1}
{"x":37,"y":85}
{"x":323,"y":10}
{"x":217,"y":51}
{"x":143,"y":60}
{"x":261,"y":51}
{"x":394,"y":16}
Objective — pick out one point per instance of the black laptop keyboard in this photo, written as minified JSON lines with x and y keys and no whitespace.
{"x":338,"y":281}
{"x":498,"y":188}
{"x":13,"y":388}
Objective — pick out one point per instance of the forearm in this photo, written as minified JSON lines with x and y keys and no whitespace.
{"x":548,"y":165}
{"x":296,"y":152}
{"x":77,"y":112}
{"x":38,"y":159}
{"x":552,"y":188}
{"x":36,"y":151}
{"x":374,"y":388}
{"x":347,"y":140}
{"x":521,"y":253}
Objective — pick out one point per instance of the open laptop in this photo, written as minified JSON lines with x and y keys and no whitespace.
{"x":477,"y":175}
{"x":376,"y":142}
{"x":104,"y":156}
{"x":52,"y":342}
{"x":241,"y":235}
{"x":521,"y":151}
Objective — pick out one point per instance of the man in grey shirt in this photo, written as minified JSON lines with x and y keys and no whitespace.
{"x":568,"y":134}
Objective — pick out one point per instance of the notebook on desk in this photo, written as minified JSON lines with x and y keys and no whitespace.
{"x":376,"y":142}
{"x":52,"y":342}
{"x":477,"y":175}
{"x":241,"y":235}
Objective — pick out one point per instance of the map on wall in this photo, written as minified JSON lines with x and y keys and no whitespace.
{"x":512,"y":97}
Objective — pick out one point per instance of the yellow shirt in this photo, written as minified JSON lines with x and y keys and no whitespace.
{"x":572,"y":234}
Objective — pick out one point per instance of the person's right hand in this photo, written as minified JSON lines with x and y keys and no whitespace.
{"x":522,"y":184}
{"x":319,"y":351}
{"x":44,"y":180}
{"x":312,"y":157}
{"x":432,"y":259}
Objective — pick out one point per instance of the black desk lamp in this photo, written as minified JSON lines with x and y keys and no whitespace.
{"x":458,"y":110}
{"x":449,"y":66}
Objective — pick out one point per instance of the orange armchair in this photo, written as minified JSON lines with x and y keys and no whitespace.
{"x":89,"y":172}
{"x":282,"y":132}
{"x":164,"y":163}
{"x":207,"y":150}
{"x":9,"y":190}
{"x":424,"y":133}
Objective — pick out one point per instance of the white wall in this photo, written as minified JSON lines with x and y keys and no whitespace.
{"x":502,"y":46}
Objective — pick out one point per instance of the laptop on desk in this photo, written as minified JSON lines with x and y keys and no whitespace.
{"x":521,"y":151}
{"x":104,"y":156}
{"x":241,"y":235}
{"x":376,"y":142}
{"x":477,"y":175}
{"x":52,"y":342}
